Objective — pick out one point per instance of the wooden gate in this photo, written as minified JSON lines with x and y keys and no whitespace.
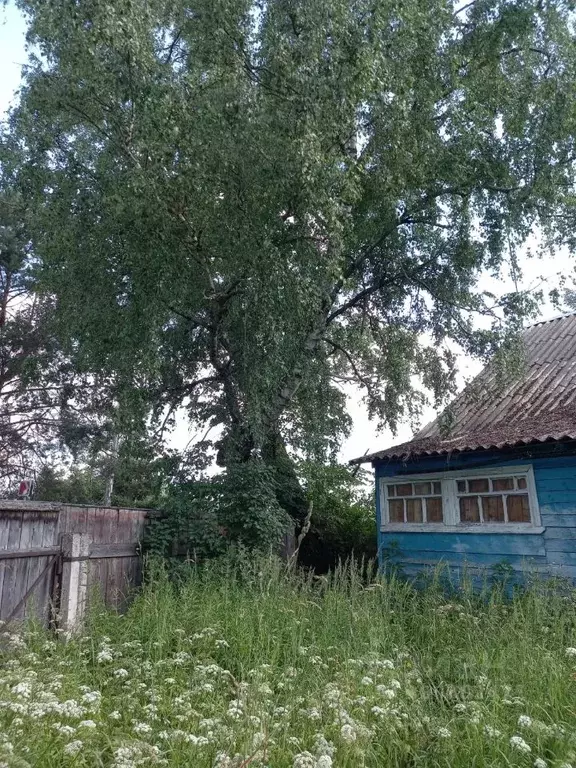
{"x":32,"y":561}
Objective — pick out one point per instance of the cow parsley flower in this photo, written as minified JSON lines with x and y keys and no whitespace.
{"x":348,"y":733}
{"x":304,"y":760}
{"x":570,"y":651}
{"x":104,"y":656}
{"x":517,"y":742}
{"x":366,"y":681}
{"x":322,"y":746}
{"x":73,"y":747}
{"x":115,"y":715}
{"x":121,"y":673}
{"x":444,"y":733}
{"x":524,"y":721}
{"x":539,"y":763}
{"x":385,"y":692}
{"x":142,"y":729}
{"x":87,"y":724}
{"x":324,"y":761}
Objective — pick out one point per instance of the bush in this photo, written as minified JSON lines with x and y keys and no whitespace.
{"x":343,"y":523}
{"x":201,"y":518}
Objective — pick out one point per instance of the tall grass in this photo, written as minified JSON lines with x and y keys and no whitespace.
{"x":262,"y":665}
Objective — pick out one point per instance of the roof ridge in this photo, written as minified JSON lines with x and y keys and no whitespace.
{"x":561,"y":316}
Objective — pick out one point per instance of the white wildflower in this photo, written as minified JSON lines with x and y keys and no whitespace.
{"x":324,"y":761}
{"x":524,"y":721}
{"x":385,"y":692}
{"x":517,"y":742}
{"x":304,"y":760}
{"x":378,"y":711}
{"x":366,"y":681}
{"x":104,"y":655}
{"x":570,"y":651}
{"x":73,"y":747}
{"x":348,"y":733}
{"x":142,"y":729}
{"x":115,"y":715}
{"x":121,"y":673}
{"x":322,"y":746}
{"x":87,"y":724}
{"x":444,"y":733}
{"x":493,"y":733}
{"x":539,"y":763}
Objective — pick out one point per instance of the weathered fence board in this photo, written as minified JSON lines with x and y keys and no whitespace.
{"x":31,"y":554}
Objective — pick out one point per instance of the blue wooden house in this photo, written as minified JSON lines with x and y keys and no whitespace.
{"x":500,"y":487}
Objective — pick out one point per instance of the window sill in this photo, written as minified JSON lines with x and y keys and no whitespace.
{"x":514,"y":528}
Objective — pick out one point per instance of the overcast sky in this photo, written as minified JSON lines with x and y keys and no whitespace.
{"x":365,"y":436}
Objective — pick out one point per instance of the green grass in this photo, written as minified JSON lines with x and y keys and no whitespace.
{"x":278,"y":669}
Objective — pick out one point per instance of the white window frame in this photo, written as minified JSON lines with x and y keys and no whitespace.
{"x":450,"y":504}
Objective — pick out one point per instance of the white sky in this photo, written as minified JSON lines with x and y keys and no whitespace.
{"x":364,"y":437}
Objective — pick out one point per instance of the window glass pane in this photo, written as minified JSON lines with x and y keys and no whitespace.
{"x":478,"y":485}
{"x":461,"y":486}
{"x":469,"y":511}
{"x":518,"y":508}
{"x":422,"y":489}
{"x":391,"y":490}
{"x":503,"y":484}
{"x":434,"y":510}
{"x":521,"y":481}
{"x":396,"y":510}
{"x":437,"y":488}
{"x":404,"y":490}
{"x":493,"y":509}
{"x":413,"y":510}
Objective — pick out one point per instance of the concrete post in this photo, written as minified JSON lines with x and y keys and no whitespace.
{"x":74,"y":590}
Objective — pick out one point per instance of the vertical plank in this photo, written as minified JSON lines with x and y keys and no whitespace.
{"x":4,"y":528}
{"x":11,"y":566}
{"x":49,"y":540}
{"x":35,"y":566}
{"x":93,"y":565}
{"x":113,"y":534}
{"x":23,"y":564}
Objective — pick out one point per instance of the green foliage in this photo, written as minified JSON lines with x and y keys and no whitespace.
{"x":343,"y":523}
{"x":201,"y":518}
{"x":139,"y":478}
{"x":241,"y":207}
{"x":248,"y":662}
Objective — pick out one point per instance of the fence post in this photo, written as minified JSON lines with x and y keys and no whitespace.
{"x":75,"y":554}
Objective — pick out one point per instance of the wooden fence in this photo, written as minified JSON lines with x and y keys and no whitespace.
{"x":53,"y":555}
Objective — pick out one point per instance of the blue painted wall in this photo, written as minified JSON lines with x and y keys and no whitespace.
{"x":552,"y":552}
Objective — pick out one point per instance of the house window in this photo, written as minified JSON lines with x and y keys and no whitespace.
{"x":415,"y":502}
{"x":494,"y":500}
{"x":498,"y":499}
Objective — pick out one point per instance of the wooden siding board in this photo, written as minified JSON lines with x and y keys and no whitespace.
{"x":560,"y":532}
{"x":470,"y":543}
{"x":564,"y":520}
{"x":480,"y":559}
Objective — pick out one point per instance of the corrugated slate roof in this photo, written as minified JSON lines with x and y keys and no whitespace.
{"x":538,"y":406}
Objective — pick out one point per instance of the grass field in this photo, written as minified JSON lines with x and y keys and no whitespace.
{"x":276,"y":669}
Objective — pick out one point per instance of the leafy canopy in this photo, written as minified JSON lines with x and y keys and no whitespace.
{"x":241,"y":205}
